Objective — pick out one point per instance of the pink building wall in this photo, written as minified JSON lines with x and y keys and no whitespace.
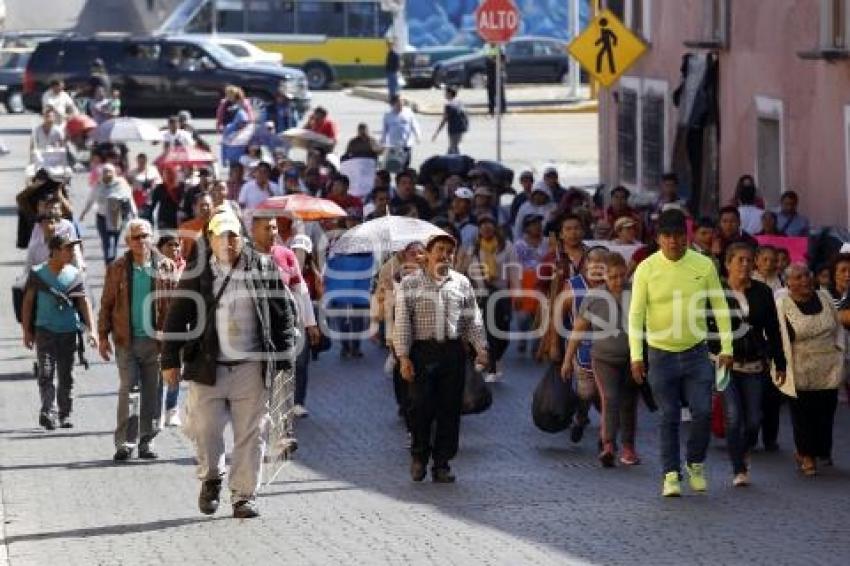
{"x":761,"y":60}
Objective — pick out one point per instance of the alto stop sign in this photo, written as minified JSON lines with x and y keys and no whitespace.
{"x":497,"y":20}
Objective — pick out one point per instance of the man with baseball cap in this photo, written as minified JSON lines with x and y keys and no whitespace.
{"x":461,"y":215}
{"x":246,"y":330}
{"x":670,"y":295}
{"x":52,"y":323}
{"x":436,"y":315}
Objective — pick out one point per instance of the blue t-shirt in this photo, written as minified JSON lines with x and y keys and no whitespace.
{"x":52,"y":314}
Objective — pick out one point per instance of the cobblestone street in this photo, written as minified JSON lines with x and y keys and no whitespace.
{"x":523,"y":497}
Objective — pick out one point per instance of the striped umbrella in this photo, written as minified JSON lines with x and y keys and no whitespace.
{"x":127,"y":130}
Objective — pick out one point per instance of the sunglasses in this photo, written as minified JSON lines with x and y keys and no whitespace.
{"x":138,"y":237}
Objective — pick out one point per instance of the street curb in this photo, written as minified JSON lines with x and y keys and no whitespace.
{"x":584,"y":107}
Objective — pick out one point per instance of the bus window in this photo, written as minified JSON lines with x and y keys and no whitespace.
{"x":230,"y":16}
{"x":270,"y":16}
{"x":385,"y":22}
{"x":321,"y":18}
{"x":202,"y":22}
{"x":361,"y":19}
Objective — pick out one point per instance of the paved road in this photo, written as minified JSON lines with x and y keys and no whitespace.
{"x":523,"y":497}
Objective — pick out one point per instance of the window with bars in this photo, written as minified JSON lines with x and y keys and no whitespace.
{"x":627,"y":135}
{"x":637,"y":23}
{"x":652,"y":139}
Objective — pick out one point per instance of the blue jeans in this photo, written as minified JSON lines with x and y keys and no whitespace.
{"x":673,"y":375}
{"x":302,"y":362}
{"x":108,"y":240}
{"x":392,"y":84}
{"x":172,"y":395}
{"x":742,"y":408}
{"x":351,"y":326}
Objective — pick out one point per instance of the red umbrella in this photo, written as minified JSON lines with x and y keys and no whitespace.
{"x":184,"y":157}
{"x":79,"y":124}
{"x":299,"y":206}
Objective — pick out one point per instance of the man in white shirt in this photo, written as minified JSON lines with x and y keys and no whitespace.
{"x":51,"y":224}
{"x":255,"y":191}
{"x":173,"y":136}
{"x":57,"y":98}
{"x":46,"y":136}
{"x":400,"y":127}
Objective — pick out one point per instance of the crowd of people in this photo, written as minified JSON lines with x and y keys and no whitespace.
{"x":613,"y":296}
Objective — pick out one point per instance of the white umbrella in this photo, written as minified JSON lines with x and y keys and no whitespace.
{"x":125,"y":130}
{"x":307,"y":139}
{"x":387,"y":233}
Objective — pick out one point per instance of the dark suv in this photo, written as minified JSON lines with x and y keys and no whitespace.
{"x":156,"y":74}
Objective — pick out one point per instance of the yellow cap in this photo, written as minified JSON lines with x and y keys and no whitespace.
{"x":224,"y":221}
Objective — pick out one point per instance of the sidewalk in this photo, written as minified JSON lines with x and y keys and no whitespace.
{"x":522,"y":99}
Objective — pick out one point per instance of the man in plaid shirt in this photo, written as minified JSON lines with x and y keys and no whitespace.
{"x":435,"y":316}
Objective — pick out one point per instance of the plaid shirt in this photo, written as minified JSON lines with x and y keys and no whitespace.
{"x":426,"y":309}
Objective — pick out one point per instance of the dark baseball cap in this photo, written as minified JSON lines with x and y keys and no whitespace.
{"x":62,"y":240}
{"x":671,"y":222}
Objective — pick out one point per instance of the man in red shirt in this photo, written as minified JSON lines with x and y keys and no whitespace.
{"x":339,"y":195}
{"x":321,"y":124}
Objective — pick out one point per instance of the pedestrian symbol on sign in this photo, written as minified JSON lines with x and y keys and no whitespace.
{"x":608,"y":40}
{"x":606,"y":48}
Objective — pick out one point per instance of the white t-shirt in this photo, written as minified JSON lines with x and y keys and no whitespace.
{"x":180,"y":137}
{"x":750,"y":218}
{"x":61,"y":103}
{"x":251,"y":195}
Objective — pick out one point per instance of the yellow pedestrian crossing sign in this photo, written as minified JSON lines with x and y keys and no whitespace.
{"x":606,"y":48}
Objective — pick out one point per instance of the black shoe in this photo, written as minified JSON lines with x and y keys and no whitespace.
{"x":65,"y":422}
{"x":356,"y":354}
{"x":577,"y":433}
{"x":122,"y":454}
{"x":208,"y":498}
{"x":47,"y":420}
{"x":145,"y":453}
{"x":442,"y":475}
{"x":774,"y":447}
{"x":417,"y":470}
{"x":245,"y":509}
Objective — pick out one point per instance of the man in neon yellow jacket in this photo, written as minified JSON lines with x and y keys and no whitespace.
{"x":670,"y":295}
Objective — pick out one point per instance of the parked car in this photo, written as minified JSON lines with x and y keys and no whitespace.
{"x":247,"y":52}
{"x":13,"y":63}
{"x":529,"y":60}
{"x":418,"y":64}
{"x":159,"y":74}
{"x":26,"y":39}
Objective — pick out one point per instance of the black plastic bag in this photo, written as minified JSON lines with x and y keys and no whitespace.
{"x":477,"y":397}
{"x":554,"y":402}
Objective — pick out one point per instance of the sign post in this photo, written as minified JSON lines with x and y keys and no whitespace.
{"x":497,"y":22}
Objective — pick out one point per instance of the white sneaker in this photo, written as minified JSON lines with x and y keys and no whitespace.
{"x":300,"y":411}
{"x":686,"y":415}
{"x":172,"y":417}
{"x":491,"y":377}
{"x":741,"y":480}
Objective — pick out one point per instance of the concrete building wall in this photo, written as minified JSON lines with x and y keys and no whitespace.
{"x":761,"y":72}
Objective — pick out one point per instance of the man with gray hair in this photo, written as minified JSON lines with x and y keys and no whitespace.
{"x":134,"y":318}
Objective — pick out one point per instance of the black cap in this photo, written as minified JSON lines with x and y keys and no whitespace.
{"x":62,"y":240}
{"x":672,"y":221}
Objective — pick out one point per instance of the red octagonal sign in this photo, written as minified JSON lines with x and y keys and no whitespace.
{"x":497,"y":20}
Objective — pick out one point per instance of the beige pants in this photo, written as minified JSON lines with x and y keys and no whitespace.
{"x":239,"y":397}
